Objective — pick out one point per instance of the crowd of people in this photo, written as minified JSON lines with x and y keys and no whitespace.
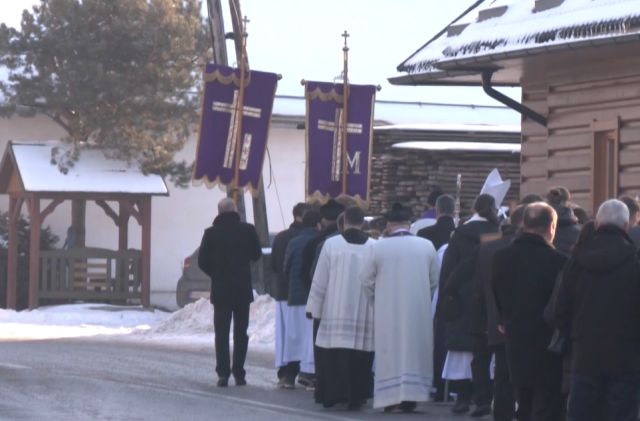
{"x":535,"y":316}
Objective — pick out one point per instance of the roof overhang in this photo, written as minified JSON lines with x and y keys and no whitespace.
{"x":508,"y":66}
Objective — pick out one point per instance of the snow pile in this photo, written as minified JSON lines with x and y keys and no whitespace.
{"x":262,"y":334}
{"x":194,"y":318}
{"x":194,"y":324}
{"x":76,"y":320}
{"x":190,"y":327}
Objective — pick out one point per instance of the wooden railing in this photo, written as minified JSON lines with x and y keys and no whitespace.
{"x":91,"y":274}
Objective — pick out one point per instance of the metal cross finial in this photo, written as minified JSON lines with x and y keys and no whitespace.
{"x":345,"y":35}
{"x":245,"y":20}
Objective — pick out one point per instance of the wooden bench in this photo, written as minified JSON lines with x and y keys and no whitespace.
{"x":92,"y":276}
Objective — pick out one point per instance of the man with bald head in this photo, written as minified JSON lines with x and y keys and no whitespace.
{"x":523,"y":277}
{"x":226,"y":252}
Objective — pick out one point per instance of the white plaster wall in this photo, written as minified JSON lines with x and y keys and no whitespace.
{"x":178,"y":220}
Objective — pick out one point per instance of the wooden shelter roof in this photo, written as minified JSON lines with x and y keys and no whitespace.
{"x":30,"y":167}
{"x":500,"y":34}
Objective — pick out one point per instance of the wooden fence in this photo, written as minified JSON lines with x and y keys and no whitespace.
{"x":91,"y":274}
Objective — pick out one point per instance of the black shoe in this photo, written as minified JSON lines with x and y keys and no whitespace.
{"x":391,"y":408}
{"x":408,"y":406}
{"x":240,"y":381}
{"x":223,"y":382}
{"x":481,"y":411}
{"x":461,"y":407}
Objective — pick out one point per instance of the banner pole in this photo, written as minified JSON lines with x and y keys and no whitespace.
{"x":345,"y":103}
{"x":239,"y":110}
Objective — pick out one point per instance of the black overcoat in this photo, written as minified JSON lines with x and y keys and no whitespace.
{"x":454,"y":310}
{"x":226,"y":252}
{"x":599,"y":300}
{"x":524,"y":274}
{"x":440,"y":232}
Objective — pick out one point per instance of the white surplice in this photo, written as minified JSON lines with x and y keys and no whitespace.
{"x":298,"y":339}
{"x":338,"y":299}
{"x":400,"y":276}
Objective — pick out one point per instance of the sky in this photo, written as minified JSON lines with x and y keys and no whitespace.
{"x":301,"y":39}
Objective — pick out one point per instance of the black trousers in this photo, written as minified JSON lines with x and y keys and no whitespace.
{"x":481,"y":372}
{"x":222,"y":316}
{"x":542,"y":403}
{"x":439,"y":356}
{"x":503,"y":400}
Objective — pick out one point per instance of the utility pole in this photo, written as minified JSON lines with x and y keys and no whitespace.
{"x":218,"y":37}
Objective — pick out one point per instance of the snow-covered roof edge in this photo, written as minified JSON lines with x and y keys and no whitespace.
{"x":93,"y":173}
{"x":518,"y":30}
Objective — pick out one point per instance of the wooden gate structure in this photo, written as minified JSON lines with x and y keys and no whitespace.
{"x":30,"y":179}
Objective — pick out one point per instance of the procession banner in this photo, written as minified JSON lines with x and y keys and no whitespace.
{"x":324,"y":140}
{"x":215,"y":156}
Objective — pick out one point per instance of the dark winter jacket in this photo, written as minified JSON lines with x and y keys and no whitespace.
{"x":456,"y":285}
{"x":634,"y":233}
{"x":599,"y":298}
{"x":311,"y":252}
{"x":226,"y":252}
{"x":524,"y":274}
{"x":439,"y":233}
{"x":567,"y":230}
{"x":486,"y":321}
{"x":280,"y":290}
{"x":298,"y":290}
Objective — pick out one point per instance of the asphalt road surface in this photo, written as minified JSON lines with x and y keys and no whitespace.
{"x":104,"y":379}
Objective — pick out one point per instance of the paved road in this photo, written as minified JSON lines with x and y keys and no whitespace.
{"x":109,"y":380}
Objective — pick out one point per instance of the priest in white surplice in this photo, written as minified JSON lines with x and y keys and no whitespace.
{"x":344,"y":355}
{"x":400,"y":276}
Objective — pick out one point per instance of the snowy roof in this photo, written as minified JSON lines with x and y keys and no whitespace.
{"x":452,"y":127}
{"x":92,"y":173}
{"x":513,"y":28}
{"x":404,"y":112}
{"x":460,"y":146}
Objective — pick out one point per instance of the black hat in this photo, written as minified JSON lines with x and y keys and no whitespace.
{"x":433,"y":196}
{"x":398,"y":213}
{"x":331,"y":210}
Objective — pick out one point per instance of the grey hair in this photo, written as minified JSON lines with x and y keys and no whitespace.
{"x":227,"y":205}
{"x":613,"y":212}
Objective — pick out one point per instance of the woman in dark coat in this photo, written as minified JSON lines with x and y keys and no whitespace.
{"x":454,"y":310}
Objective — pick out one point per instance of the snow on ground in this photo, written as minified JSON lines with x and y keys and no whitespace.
{"x":190,"y":327}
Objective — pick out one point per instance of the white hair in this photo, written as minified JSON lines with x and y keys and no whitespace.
{"x":613,"y":212}
{"x":227,"y":205}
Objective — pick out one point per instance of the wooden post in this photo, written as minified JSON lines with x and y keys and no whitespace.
{"x":78,"y":221}
{"x":34,"y":250}
{"x":123,"y":227}
{"x":15,"y":205}
{"x":145,"y":211}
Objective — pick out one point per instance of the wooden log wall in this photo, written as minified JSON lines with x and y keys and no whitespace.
{"x":574,"y":97}
{"x":408,"y":175}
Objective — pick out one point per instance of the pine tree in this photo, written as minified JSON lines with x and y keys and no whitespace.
{"x":119,"y":75}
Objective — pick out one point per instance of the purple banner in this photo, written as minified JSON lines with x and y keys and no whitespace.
{"x":325,"y":137}
{"x":215,"y":159}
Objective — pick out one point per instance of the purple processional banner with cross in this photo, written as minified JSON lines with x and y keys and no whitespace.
{"x":324,"y":138}
{"x":215,"y":156}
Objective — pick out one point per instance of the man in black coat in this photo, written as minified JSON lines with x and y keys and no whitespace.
{"x":490,"y":340}
{"x":524,"y":274}
{"x":440,"y":233}
{"x":280,"y":290}
{"x":598,"y":302}
{"x":226,"y":252}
